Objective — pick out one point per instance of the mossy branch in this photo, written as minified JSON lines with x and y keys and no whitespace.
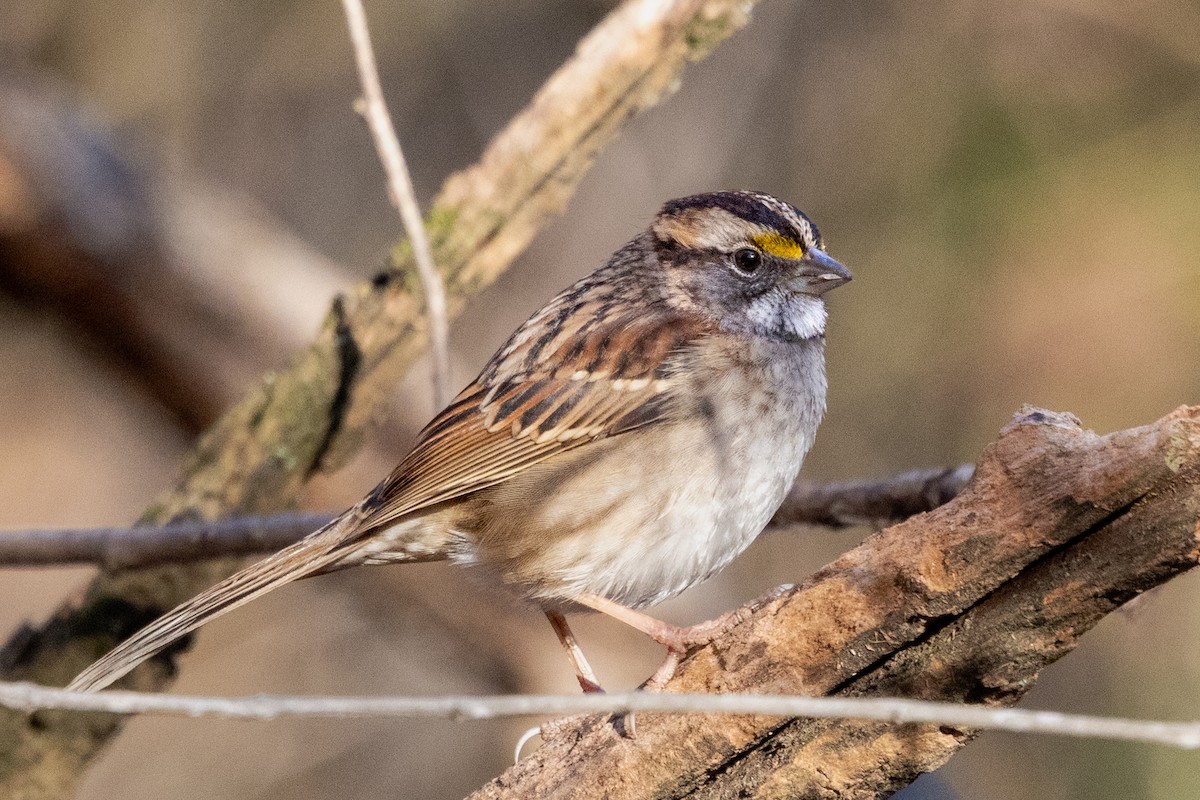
{"x":316,"y":412}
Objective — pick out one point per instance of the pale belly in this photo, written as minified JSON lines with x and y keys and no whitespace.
{"x":640,"y":518}
{"x":689,"y":519}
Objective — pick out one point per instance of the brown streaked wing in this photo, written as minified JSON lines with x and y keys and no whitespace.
{"x":611,"y":379}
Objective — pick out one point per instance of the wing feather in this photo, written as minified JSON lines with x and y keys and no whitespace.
{"x":519,"y":413}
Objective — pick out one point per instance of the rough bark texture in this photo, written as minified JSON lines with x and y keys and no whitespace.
{"x":313,"y":414}
{"x":967,"y":603}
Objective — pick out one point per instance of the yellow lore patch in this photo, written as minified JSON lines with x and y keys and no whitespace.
{"x":780,"y":246}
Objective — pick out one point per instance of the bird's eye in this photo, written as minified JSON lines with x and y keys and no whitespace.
{"x":747,"y":260}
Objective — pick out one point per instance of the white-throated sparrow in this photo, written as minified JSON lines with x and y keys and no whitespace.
{"x":628,"y":441}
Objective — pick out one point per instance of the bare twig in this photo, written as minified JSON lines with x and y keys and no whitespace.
{"x":143,"y":546}
{"x":387,"y":144}
{"x":1185,"y":735}
{"x":876,"y":503}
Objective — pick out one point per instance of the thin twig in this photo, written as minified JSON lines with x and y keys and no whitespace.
{"x":144,"y":546}
{"x":387,"y":144}
{"x":876,"y":503}
{"x":31,"y":697}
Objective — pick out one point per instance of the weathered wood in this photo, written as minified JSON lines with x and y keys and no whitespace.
{"x":967,"y":603}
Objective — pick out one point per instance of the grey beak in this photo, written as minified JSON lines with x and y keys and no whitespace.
{"x":819,"y":273}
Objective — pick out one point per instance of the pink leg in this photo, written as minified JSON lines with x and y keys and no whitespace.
{"x":583,"y":670}
{"x":678,"y":640}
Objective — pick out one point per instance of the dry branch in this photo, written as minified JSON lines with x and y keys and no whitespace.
{"x":312,"y":415}
{"x":836,"y":505}
{"x":967,"y":603}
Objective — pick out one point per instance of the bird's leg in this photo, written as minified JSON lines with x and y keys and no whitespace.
{"x":678,"y":640}
{"x":583,"y":670}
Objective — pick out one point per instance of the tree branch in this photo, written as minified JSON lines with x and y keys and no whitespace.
{"x":191,"y":290}
{"x":144,"y":546}
{"x":874,"y":503}
{"x":313,"y":414}
{"x":965,"y":604}
{"x":836,"y":505}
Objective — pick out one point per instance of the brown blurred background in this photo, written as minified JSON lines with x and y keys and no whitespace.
{"x":1014,"y":184}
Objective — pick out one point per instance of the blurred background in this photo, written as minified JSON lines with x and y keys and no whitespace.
{"x":1014,"y":184}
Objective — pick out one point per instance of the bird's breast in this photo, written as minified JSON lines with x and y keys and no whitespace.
{"x":643,"y":515}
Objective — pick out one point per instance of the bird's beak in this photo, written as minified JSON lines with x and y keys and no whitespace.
{"x":818,"y":273}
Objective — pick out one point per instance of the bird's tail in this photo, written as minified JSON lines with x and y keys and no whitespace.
{"x":314,"y":553}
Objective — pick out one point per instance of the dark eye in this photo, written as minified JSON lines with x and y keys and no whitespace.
{"x":747,"y":260}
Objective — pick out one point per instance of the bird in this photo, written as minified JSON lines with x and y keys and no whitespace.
{"x":627,"y":442}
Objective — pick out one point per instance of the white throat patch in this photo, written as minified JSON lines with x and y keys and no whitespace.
{"x":794,"y":316}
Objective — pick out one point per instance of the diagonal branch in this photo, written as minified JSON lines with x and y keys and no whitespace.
{"x":190,"y":289}
{"x":964,"y":604}
{"x":313,"y":414}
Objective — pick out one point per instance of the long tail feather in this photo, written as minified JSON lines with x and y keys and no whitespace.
{"x":315,"y":552}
